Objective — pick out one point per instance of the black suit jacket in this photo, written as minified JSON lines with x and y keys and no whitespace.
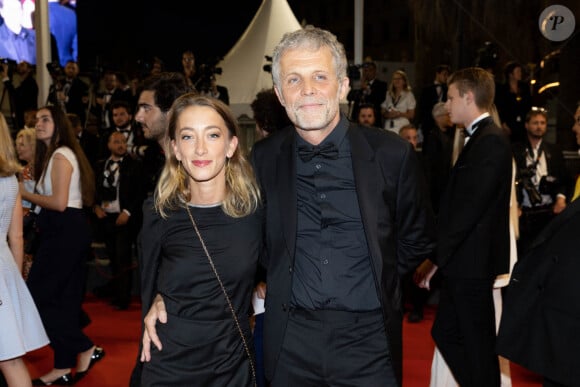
{"x":541,"y":311}
{"x":554,"y":161}
{"x":427,"y":100}
{"x":90,"y":145}
{"x":473,"y":221}
{"x":131,"y":193}
{"x":77,"y":94}
{"x":395,"y":213}
{"x":376,"y":97}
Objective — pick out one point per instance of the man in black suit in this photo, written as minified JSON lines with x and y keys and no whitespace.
{"x":105,"y":98}
{"x":373,"y":91}
{"x":119,"y":197}
{"x":89,"y":141}
{"x":347,"y":215}
{"x":71,"y":93}
{"x":473,"y":245}
{"x":430,"y":95}
{"x":539,"y":324}
{"x":25,"y":95}
{"x":544,"y":182}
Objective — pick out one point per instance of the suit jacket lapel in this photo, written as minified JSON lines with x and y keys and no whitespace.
{"x":286,"y":188}
{"x":480,"y":128}
{"x":366,"y":176}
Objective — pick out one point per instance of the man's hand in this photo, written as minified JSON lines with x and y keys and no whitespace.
{"x":99,"y":212}
{"x":424,"y":273}
{"x":122,"y":219}
{"x":156,"y":312}
{"x":560,"y":205}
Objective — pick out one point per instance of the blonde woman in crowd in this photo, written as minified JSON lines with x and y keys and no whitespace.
{"x":22,"y":329}
{"x":398,"y":109}
{"x":25,"y":148}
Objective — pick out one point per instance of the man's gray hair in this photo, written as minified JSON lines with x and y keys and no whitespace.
{"x":439,"y":109}
{"x":311,"y":38}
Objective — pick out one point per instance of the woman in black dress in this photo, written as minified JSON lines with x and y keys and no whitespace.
{"x":199,"y":248}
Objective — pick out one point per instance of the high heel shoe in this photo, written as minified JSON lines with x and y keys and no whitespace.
{"x":64,"y":380}
{"x":97,"y":355}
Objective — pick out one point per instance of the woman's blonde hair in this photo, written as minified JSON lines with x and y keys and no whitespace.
{"x":173,"y":190}
{"x":29,"y":137}
{"x":403,"y":75}
{"x":9,"y":164}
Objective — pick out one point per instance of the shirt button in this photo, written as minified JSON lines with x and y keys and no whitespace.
{"x":322,"y":196}
{"x":318,"y":166}
{"x":325,"y":261}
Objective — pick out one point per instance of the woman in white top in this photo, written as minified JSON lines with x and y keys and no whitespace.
{"x":398,"y":109}
{"x":65,"y":183}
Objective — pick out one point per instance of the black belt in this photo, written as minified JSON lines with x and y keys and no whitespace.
{"x":334,"y":315}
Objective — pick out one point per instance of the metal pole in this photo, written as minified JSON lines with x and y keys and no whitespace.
{"x":43,"y":53}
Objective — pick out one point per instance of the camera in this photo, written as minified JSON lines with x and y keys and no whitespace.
{"x":206,"y":73}
{"x":547,"y":185}
{"x":268,"y":66}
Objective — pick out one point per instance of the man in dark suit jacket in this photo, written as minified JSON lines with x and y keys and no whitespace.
{"x":347,"y":215}
{"x":473,"y":243}
{"x":544,"y":183}
{"x":373,"y":91}
{"x":89,"y":141}
{"x":71,"y":93}
{"x":430,"y":95}
{"x":541,"y":312}
{"x":119,"y":197}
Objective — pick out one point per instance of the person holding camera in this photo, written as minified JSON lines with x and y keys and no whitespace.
{"x":25,"y":95}
{"x":542,"y":178}
{"x":203,"y":79}
{"x":373,"y":91}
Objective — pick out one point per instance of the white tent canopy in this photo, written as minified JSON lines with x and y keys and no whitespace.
{"x":243,"y":72}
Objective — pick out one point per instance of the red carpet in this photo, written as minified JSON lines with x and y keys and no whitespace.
{"x":118,"y":333}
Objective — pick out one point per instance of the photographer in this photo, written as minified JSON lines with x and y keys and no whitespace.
{"x":25,"y":95}
{"x":68,"y":91}
{"x":203,"y":79}
{"x":542,"y":180}
{"x":373,"y":91}
{"x":207,"y":84}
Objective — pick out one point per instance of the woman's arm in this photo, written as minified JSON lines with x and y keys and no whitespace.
{"x":61,"y":179}
{"x":15,"y":237}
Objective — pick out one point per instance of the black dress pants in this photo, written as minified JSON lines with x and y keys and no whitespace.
{"x":464,"y":331}
{"x":334,"y":348}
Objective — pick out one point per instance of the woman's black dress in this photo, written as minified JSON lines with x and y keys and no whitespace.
{"x":201,"y":343}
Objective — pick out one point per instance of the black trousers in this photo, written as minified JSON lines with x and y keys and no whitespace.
{"x":334,"y":348}
{"x":119,"y":241}
{"x":57,"y":281}
{"x":464,"y":331}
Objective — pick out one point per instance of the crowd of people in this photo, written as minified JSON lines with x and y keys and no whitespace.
{"x":334,"y":223}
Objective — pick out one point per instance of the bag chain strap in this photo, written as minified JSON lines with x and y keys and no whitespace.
{"x":246,"y":347}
